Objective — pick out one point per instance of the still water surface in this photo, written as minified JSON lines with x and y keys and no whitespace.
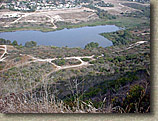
{"x":76,"y":37}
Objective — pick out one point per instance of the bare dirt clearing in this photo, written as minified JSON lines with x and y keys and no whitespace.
{"x":39,"y":18}
{"x":78,"y":16}
{"x":48,"y":19}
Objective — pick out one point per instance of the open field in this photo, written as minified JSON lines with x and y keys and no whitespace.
{"x":45,"y":19}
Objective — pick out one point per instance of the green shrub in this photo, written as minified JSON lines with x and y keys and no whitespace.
{"x":60,"y":62}
{"x":30,"y":44}
{"x":5,"y":42}
{"x":85,"y":59}
{"x":92,"y":45}
{"x":14,"y":43}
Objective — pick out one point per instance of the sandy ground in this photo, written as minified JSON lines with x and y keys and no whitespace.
{"x":48,"y":17}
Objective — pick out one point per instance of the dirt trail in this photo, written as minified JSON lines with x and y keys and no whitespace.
{"x":49,"y":60}
{"x":132,"y":46}
{"x":57,"y":68}
{"x":52,"y":21}
{"x":3,"y":47}
{"x":66,"y":58}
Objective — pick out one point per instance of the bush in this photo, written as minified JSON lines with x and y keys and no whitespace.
{"x":120,"y":58}
{"x":30,"y":44}
{"x":131,"y":56}
{"x":119,"y":37}
{"x":92,"y":45}
{"x":92,"y":62}
{"x":101,"y":60}
{"x":85,"y":59}
{"x":60,"y":62}
{"x":14,"y":43}
{"x":5,"y":42}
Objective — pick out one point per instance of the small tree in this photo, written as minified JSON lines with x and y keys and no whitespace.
{"x":14,"y":43}
{"x":92,"y":45}
{"x":30,"y":44}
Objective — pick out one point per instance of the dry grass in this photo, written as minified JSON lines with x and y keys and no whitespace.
{"x":30,"y":103}
{"x":19,"y":103}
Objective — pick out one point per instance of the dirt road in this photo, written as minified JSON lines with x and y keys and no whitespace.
{"x":49,"y":60}
{"x":3,"y":47}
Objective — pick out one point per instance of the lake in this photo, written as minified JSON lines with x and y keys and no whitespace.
{"x":75,"y":37}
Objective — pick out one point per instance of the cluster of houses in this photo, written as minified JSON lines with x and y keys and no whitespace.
{"x":32,"y":5}
{"x":19,"y":5}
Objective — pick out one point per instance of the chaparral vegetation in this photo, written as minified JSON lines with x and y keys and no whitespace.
{"x":93,"y":79}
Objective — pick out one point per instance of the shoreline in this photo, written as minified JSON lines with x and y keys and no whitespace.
{"x":52,"y":30}
{"x":125,"y":22}
{"x":104,"y":29}
{"x":70,"y":26}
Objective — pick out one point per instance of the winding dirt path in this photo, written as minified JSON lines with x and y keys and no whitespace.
{"x":66,"y":58}
{"x":132,"y":46}
{"x":49,"y":60}
{"x":3,"y":47}
{"x":57,"y":68}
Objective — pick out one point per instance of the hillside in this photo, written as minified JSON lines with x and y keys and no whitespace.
{"x":97,"y":72}
{"x":48,"y":79}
